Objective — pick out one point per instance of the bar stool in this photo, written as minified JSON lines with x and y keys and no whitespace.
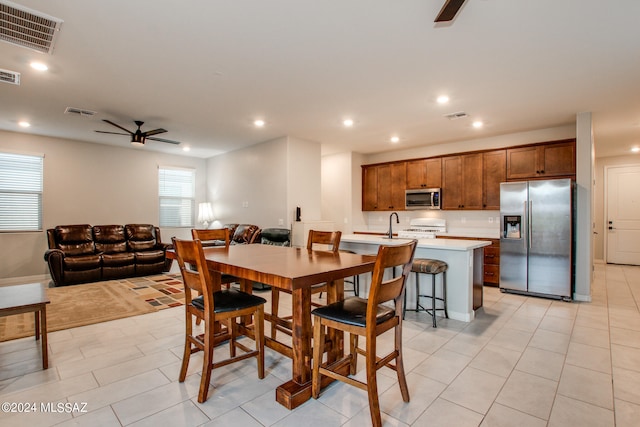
{"x":432,"y":267}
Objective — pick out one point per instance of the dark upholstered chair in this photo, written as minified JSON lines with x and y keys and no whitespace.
{"x":220,"y":306}
{"x":276,"y":236}
{"x":318,"y":240}
{"x":369,"y":318}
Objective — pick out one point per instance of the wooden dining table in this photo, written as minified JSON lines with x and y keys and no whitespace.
{"x":296,"y":270}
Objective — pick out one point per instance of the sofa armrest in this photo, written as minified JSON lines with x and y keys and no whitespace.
{"x":54,"y":259}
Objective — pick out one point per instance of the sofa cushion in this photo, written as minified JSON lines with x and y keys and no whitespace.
{"x":75,"y":239}
{"x":244,"y":233}
{"x":149,"y":257}
{"x":140,"y":237}
{"x":118,"y":259}
{"x":81,"y":262}
{"x":109,"y":239}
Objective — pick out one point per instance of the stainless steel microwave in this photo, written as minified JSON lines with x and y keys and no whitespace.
{"x":425,"y":198}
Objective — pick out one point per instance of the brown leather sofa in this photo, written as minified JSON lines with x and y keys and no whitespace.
{"x":83,"y":253}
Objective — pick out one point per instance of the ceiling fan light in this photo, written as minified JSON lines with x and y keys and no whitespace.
{"x":137,"y":140}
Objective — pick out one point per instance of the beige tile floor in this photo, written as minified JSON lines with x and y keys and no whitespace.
{"x":523,"y":362}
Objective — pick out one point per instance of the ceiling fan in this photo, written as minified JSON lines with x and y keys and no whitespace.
{"x":138,"y":137}
{"x":449,"y":10}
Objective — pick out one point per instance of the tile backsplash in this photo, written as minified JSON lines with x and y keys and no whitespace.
{"x":459,"y":223}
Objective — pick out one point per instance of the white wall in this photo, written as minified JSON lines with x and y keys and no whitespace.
{"x":249,"y":185}
{"x":264,"y":183}
{"x":304,"y":180}
{"x":584,"y":227}
{"x":88,"y":183}
{"x":337,"y":190}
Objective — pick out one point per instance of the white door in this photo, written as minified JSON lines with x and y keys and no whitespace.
{"x":623,"y":215}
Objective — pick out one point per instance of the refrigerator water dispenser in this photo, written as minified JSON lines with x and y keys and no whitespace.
{"x":512,"y":227}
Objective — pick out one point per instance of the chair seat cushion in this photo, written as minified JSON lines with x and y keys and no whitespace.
{"x":230,"y":300}
{"x":428,"y":266}
{"x":352,"y":311}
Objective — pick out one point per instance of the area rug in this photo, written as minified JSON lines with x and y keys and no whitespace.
{"x":90,"y":303}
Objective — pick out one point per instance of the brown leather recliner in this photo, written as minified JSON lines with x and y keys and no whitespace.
{"x":82,"y":253}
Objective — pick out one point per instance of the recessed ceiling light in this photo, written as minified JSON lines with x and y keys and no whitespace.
{"x":39,"y":66}
{"x":259,"y":123}
{"x":395,"y":139}
{"x":24,"y":124}
{"x":635,"y":150}
{"x":478,"y":124}
{"x":348,"y":123}
{"x":186,"y":148}
{"x":443,"y":99}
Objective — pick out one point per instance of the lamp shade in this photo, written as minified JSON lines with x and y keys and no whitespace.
{"x":205,"y":213}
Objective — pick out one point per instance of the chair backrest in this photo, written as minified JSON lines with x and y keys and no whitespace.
{"x":391,"y":289}
{"x":327,"y":238}
{"x":211,"y":237}
{"x":193,"y":267}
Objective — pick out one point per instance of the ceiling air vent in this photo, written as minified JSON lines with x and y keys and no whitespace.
{"x":456,"y":116}
{"x":79,"y":112}
{"x":28,"y":28}
{"x":12,"y":77}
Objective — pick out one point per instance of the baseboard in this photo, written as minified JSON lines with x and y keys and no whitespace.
{"x":582,"y":298}
{"x":40,"y":278}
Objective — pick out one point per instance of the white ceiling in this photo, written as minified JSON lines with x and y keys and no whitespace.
{"x":204,"y":70}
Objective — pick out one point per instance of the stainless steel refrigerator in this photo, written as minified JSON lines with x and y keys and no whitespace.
{"x":536,"y":238}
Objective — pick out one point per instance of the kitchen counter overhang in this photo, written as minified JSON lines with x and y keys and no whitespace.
{"x":464,"y":276}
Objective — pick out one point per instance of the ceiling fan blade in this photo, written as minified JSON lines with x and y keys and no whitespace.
{"x":154,"y":132}
{"x":118,"y":126}
{"x":112,"y":133}
{"x":449,"y":10}
{"x":164,"y":140}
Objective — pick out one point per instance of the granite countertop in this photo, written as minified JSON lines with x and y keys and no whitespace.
{"x":444,"y":244}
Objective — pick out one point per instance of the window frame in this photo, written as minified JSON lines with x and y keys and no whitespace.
{"x":180,"y":200}
{"x":10,"y":194}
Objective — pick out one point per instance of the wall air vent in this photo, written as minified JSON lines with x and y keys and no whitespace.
{"x":456,"y":116}
{"x":28,"y":28}
{"x":79,"y":112}
{"x":12,"y":77}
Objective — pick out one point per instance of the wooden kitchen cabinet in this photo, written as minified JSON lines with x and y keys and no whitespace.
{"x":462,"y":182}
{"x":492,"y":263}
{"x":383,"y":187}
{"x":549,"y":160}
{"x":424,"y":173}
{"x":494,"y":171}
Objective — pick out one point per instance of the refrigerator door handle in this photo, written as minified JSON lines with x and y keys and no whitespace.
{"x":529,"y":222}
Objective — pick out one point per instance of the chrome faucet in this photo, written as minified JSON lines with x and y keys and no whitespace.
{"x":390,"y":227}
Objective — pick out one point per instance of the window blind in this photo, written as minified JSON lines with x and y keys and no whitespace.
{"x":20,"y":192}
{"x":177,"y":196}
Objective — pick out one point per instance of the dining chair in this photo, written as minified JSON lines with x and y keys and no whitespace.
{"x":317,"y":240}
{"x":215,"y":306}
{"x":369,"y":318}
{"x":216,"y":237}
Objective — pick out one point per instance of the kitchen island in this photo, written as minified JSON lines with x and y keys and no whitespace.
{"x":464,"y":276}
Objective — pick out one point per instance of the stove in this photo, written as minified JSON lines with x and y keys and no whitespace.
{"x":424,"y":228}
